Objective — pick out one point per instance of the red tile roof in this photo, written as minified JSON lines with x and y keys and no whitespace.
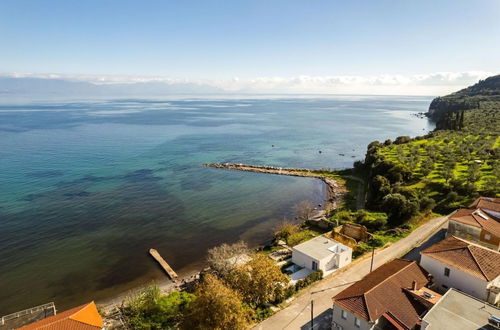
{"x":487,"y":203}
{"x":383,"y":292}
{"x":477,"y":218}
{"x":84,"y":317}
{"x":471,"y":258}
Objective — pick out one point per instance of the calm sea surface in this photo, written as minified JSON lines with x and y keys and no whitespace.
{"x":86,"y":188}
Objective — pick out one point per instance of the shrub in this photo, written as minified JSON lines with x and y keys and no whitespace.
{"x":344,"y":216}
{"x":372,"y":221}
{"x":452,"y":196}
{"x":399,"y":208}
{"x":285,"y":230}
{"x":427,"y":204}
{"x":402,"y":139}
{"x":263,"y":312}
{"x":309,"y":279}
{"x":289,"y":291}
{"x":399,"y":173}
{"x":150,"y":309}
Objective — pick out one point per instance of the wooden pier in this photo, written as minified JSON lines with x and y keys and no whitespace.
{"x":163,"y":264}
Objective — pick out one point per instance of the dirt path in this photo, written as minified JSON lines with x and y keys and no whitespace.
{"x":298,"y":314}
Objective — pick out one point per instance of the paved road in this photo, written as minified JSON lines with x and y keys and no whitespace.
{"x":298,"y":314}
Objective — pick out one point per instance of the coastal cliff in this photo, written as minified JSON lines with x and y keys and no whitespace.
{"x":442,"y":108}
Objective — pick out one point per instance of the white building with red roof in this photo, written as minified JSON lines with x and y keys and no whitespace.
{"x":479,"y":223}
{"x":468,"y":267}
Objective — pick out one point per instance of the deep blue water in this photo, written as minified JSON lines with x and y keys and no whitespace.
{"x":88,"y":187}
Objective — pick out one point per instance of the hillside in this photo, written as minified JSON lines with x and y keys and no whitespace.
{"x":483,"y":95}
{"x":447,"y":168}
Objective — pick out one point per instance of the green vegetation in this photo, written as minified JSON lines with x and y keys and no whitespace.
{"x":448,"y":111}
{"x":303,"y":235}
{"x":259,"y":281}
{"x":409,"y":178}
{"x":216,"y":307}
{"x":373,"y":221}
{"x":309,"y":279}
{"x":445,"y":169}
{"x":406,"y":181}
{"x":151,"y":309}
{"x":293,"y":234}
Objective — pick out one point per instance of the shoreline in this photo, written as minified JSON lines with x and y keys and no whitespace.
{"x":335,"y":191}
{"x":166,"y":286}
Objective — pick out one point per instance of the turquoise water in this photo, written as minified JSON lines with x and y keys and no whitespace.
{"x":88,"y":187}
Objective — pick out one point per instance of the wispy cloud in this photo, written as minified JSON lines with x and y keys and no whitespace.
{"x":420,"y":84}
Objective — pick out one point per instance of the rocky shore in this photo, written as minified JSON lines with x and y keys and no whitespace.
{"x":335,"y":192}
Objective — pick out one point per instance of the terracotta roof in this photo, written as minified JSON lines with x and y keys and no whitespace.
{"x":383,"y":292}
{"x":471,"y":258}
{"x":477,"y":218}
{"x":84,"y":317}
{"x":487,"y":203}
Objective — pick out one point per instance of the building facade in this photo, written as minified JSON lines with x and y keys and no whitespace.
{"x":479,"y":223}
{"x":468,"y":267}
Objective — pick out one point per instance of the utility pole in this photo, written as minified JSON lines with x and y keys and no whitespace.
{"x":312,"y":314}
{"x":373,"y":255}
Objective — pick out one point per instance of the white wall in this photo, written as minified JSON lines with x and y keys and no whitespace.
{"x":348,"y":324}
{"x":302,"y":259}
{"x":329,"y":263}
{"x":345,"y":258}
{"x":458,"y":279}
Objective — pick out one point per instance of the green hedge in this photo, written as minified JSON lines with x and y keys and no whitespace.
{"x":310,"y":279}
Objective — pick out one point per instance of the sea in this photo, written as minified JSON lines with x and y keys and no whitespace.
{"x":87,"y":187}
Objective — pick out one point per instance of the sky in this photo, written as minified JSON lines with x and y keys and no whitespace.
{"x":311,"y":45}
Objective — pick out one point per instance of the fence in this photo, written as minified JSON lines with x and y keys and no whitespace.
{"x":28,"y":312}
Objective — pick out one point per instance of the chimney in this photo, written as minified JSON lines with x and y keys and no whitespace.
{"x":414,"y":286}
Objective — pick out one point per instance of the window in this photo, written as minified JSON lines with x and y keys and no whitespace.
{"x":314,"y":265}
{"x":446,"y":272}
{"x":487,"y":237}
{"x":357,"y":322}
{"x":343,"y":314}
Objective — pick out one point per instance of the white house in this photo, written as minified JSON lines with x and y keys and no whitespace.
{"x":468,"y":267}
{"x":321,"y":253}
